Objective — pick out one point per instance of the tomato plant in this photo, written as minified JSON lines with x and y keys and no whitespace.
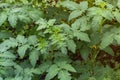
{"x":59,"y":39}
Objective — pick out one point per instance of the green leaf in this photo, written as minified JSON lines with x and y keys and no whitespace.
{"x":109,"y":50}
{"x":61,"y":59}
{"x":22,"y":50}
{"x":117,"y":38}
{"x":96,"y":21}
{"x":24,"y":18}
{"x":106,"y":40}
{"x":84,"y":24}
{"x":42,"y":68}
{"x":42,"y":24}
{"x":12,"y":18}
{"x":24,"y":1}
{"x":32,"y":39}
{"x":85,"y":27}
{"x":85,"y":52}
{"x":71,"y":45}
{"x":12,"y":42}
{"x":76,"y":25}
{"x":5,"y":34}
{"x":1,"y":78}
{"x":4,"y":5}
{"x":85,"y":75}
{"x":3,"y":47}
{"x":18,"y":78}
{"x":67,"y":29}
{"x":17,"y":10}
{"x":51,"y":22}
{"x":8,"y":44}
{"x":75,"y":14}
{"x":33,"y":57}
{"x":107,"y":14}
{"x":52,"y":72}
{"x":18,"y":69}
{"x":81,"y":23}
{"x":82,"y":36}
{"x":70,"y":5}
{"x":92,"y":78}
{"x":117,"y":16}
{"x":7,"y":54}
{"x":35,"y":14}
{"x":64,"y":75}
{"x":66,"y":66}
{"x":3,"y":17}
{"x":94,"y":11}
{"x":21,"y":39}
{"x":118,"y":3}
{"x":83,"y":5}
{"x":7,"y":63}
{"x":64,"y":50}
{"x":109,"y":6}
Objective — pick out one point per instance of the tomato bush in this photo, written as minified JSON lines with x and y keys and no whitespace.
{"x":59,"y":39}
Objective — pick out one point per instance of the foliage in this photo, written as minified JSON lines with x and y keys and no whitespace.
{"x":39,"y":41}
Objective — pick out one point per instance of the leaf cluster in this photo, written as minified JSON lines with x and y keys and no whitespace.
{"x":38,"y":45}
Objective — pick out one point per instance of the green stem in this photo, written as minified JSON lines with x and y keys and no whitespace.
{"x":101,"y":25}
{"x":94,"y":54}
